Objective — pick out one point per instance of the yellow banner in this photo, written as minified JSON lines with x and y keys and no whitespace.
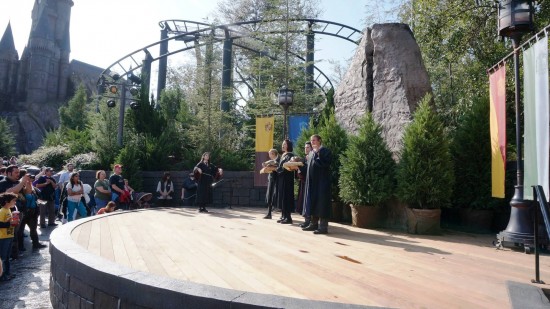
{"x":497,"y":93}
{"x":264,"y":133}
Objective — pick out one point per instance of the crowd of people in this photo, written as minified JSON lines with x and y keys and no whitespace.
{"x":44,"y":200}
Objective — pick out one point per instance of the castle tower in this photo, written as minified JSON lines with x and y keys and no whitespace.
{"x":9,"y":60}
{"x":45,"y":62}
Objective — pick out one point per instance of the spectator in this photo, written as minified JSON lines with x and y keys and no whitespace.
{"x":46,"y":184}
{"x":189,"y":190}
{"x":65,"y":175}
{"x":102,"y":193}
{"x":7,"y":232}
{"x":2,"y":172}
{"x":75,"y":191}
{"x":13,"y":184}
{"x":165,"y":189}
{"x":116,"y":183}
{"x":13,"y":160}
{"x":29,"y":214}
{"x":110,"y":207}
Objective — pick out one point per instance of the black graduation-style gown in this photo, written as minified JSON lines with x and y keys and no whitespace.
{"x":285,"y":184}
{"x":318,"y":183}
{"x":204,"y":183}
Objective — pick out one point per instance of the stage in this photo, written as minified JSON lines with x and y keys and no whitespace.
{"x":236,"y":249}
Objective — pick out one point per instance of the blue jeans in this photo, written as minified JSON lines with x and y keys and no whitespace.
{"x":99,"y":203}
{"x":5,"y":250}
{"x":79,"y":207}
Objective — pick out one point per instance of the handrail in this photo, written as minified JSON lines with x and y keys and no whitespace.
{"x":540,"y":200}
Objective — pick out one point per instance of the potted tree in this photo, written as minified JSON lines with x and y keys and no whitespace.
{"x":335,"y":139}
{"x":367,"y":174}
{"x":425,"y":175}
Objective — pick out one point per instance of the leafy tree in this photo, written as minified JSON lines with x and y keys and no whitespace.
{"x":74,"y":116}
{"x":425,"y":175}
{"x":7,"y":139}
{"x":104,"y":131}
{"x":367,"y":169}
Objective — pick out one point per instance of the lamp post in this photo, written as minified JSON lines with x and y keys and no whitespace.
{"x":286,"y":98}
{"x":113,"y":89}
{"x":515,"y":18}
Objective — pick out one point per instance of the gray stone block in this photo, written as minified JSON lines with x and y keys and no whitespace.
{"x":524,"y":295}
{"x":74,"y":301}
{"x":105,"y":301}
{"x":84,"y":304}
{"x":84,"y":290}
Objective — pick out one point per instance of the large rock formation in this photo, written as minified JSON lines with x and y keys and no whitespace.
{"x":386,"y":77}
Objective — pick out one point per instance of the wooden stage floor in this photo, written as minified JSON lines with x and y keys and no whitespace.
{"x":237,"y":249}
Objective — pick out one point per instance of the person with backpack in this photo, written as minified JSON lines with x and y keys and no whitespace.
{"x":46,"y":184}
{"x":75,"y":191}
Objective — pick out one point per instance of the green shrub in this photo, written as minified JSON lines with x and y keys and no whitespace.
{"x":129,"y":157}
{"x":367,"y":170}
{"x":55,"y":157}
{"x":7,"y":139}
{"x":335,"y":139}
{"x":85,"y":161}
{"x":425,"y":176}
{"x":471,"y":150}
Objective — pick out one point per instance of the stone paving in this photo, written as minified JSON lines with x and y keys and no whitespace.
{"x":31,"y":286}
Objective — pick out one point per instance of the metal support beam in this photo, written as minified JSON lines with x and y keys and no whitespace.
{"x":122,"y":109}
{"x":310,"y":58}
{"x":226,"y":73}
{"x":146,"y":71}
{"x":163,"y":62}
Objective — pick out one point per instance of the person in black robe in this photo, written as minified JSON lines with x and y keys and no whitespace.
{"x":318,"y":186}
{"x":303,"y":207}
{"x":271,"y":195}
{"x":205,"y":173}
{"x":285,"y":185}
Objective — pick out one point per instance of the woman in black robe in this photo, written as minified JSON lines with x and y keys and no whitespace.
{"x":271,"y":195}
{"x":302,"y":206}
{"x":205,"y":173}
{"x":285,"y":185}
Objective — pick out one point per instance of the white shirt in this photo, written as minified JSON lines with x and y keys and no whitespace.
{"x":74,"y":188}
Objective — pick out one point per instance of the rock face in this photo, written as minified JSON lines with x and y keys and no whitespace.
{"x":388,"y":78}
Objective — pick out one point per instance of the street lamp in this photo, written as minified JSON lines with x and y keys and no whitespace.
{"x":113,"y":86}
{"x":286,"y":98}
{"x":515,"y":18}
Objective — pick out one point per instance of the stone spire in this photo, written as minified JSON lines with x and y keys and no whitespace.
{"x":7,"y":43}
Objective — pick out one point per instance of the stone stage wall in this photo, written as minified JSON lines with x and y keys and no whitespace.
{"x":80,"y":279}
{"x":236,"y":189}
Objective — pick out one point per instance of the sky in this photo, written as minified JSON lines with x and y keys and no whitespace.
{"x":103,"y":31}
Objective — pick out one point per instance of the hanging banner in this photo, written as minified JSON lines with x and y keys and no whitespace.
{"x":497,"y":95}
{"x":536,"y":135}
{"x":264,"y":133}
{"x":264,"y":142}
{"x":296,"y":124}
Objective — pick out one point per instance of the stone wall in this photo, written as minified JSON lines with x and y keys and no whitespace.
{"x":236,"y":189}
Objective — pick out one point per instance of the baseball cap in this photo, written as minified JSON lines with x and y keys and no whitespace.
{"x":48,"y":169}
{"x":118,"y":165}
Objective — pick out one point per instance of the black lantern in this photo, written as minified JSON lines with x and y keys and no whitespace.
{"x":286,"y":98}
{"x":515,"y":17}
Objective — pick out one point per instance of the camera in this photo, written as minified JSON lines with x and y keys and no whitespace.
{"x":32,"y":176}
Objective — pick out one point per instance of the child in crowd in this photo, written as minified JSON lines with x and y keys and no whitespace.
{"x":7,"y":231}
{"x":110,"y":207}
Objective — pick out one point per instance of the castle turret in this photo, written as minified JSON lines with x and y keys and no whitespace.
{"x":48,"y":50}
{"x":8,"y":67}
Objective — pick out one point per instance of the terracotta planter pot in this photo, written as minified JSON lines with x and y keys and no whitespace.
{"x":366,"y":216}
{"x":423,"y":221}
{"x":476,"y":220}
